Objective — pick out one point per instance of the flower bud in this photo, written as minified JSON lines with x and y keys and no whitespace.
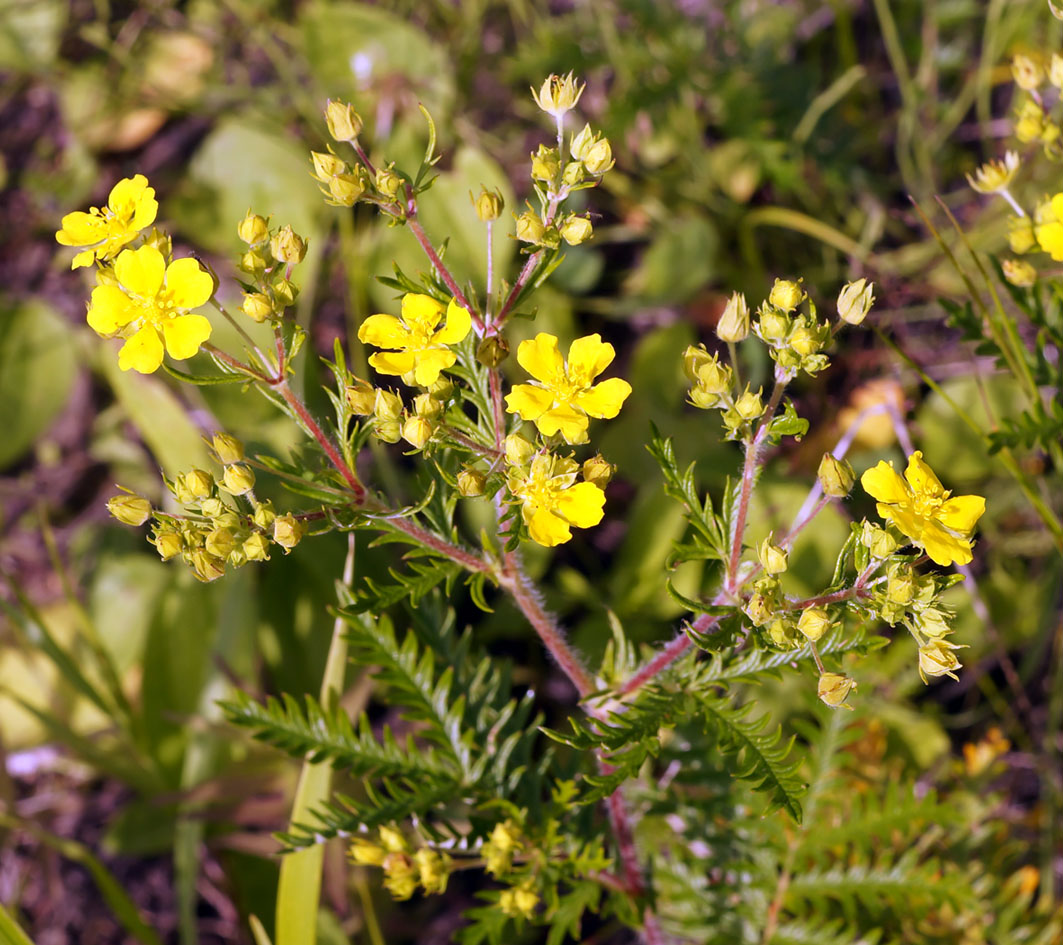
{"x":693,"y":359}
{"x":387,"y":181}
{"x":1019,"y":272}
{"x":344,"y":123}
{"x":572,"y":174}
{"x":934,"y":623}
{"x":238,"y":479}
{"x":492,"y":351}
{"x":253,"y":262}
{"x":834,"y":689}
{"x":161,"y":240}
{"x":855,"y":301}
{"x":836,"y":476}
{"x":393,"y":840}
{"x":598,"y":471}
{"x":228,"y":449}
{"x":257,"y":306}
{"x":488,"y":205}
{"x":287,"y":246}
{"x":937,"y":659}
{"x":545,"y":164}
{"x":366,"y":853}
{"x":773,"y":326}
{"x":220,"y":542}
{"x":360,"y":397}
{"x":760,"y":609}
{"x":442,"y":388}
{"x":345,"y":189}
{"x":733,"y":325}
{"x":168,"y":543}
{"x":813,"y":623}
{"x":387,"y":431}
{"x":558,"y":95}
{"x":1027,"y":72}
{"x":803,"y":341}
{"x":264,"y":515}
{"x":181,"y":491}
{"x":425,"y":405}
{"x":199,"y":483}
{"x":782,"y":634}
{"x":213,"y":508}
{"x":1021,"y":238}
{"x":749,"y":406}
{"x":879,"y":542}
{"x":900,"y":585}
{"x":417,"y":431}
{"x":519,"y":450}
{"x":253,"y":229}
{"x":433,"y":870}
{"x":772,"y":557}
{"x":400,"y":877}
{"x":704,"y":399}
{"x":582,"y":142}
{"x":287,"y":531}
{"x":598,"y":158}
{"x":206,"y":566}
{"x":713,"y":377}
{"x":530,"y":228}
{"x":471,"y":483}
{"x":129,"y":509}
{"x":387,"y":405}
{"x":326,"y":166}
{"x":786,"y":295}
{"x":576,"y":230}
{"x":256,"y":547}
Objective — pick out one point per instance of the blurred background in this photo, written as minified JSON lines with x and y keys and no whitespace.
{"x":753,"y":140}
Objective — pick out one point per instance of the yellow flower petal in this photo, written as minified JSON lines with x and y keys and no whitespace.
{"x":882,"y":482}
{"x":944,"y":548}
{"x":126,"y":193}
{"x":393,"y":362}
{"x":384,"y":331}
{"x":961,"y":513}
{"x":429,"y":363}
{"x":546,"y":528}
{"x":456,"y":327}
{"x":604,"y":400}
{"x":529,"y":401}
{"x":81,"y":229}
{"x":84,"y":258}
{"x":188,"y":283}
{"x":1050,"y":238}
{"x":185,"y":334}
{"x":921,"y":477}
{"x":582,"y":505}
{"x":142,"y":352}
{"x":541,"y":359}
{"x":569,"y":422}
{"x":141,"y":271}
{"x":421,"y":311}
{"x":109,"y":309}
{"x":904,"y":519}
{"x":588,"y":357}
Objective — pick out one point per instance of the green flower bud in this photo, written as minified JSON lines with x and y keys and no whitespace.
{"x":572,"y":174}
{"x":253,"y":262}
{"x":129,"y":509}
{"x":433,"y":870}
{"x":582,"y":142}
{"x":387,"y":431}
{"x":161,"y":241}
{"x":713,"y":377}
{"x":228,"y":449}
{"x":253,"y":229}
{"x":387,"y":406}
{"x":344,"y":123}
{"x":733,"y":325}
{"x":345,"y":190}
{"x":264,"y":515}
{"x":181,"y":491}
{"x":773,"y":326}
{"x":488,"y":205}
{"x":576,"y":230}
{"x":287,"y":246}
{"x":782,"y":634}
{"x":220,"y":542}
{"x":749,"y":406}
{"x":471,"y":483}
{"x":417,"y":431}
{"x":836,"y":476}
{"x":937,"y":659}
{"x":879,"y":542}
{"x":900,"y":585}
{"x":530,"y":228}
{"x":213,"y":507}
{"x":238,"y":479}
{"x":425,"y":405}
{"x":205,"y":566}
{"x":387,"y":181}
{"x":786,"y":295}
{"x":813,"y":623}
{"x":598,"y":471}
{"x":360,"y":397}
{"x":257,"y":306}
{"x":256,"y":547}
{"x":1019,"y":272}
{"x":855,"y":301}
{"x":492,"y":351}
{"x":693,"y":359}
{"x":366,"y":853}
{"x":287,"y":531}
{"x":519,"y":450}
{"x":400,"y":877}
{"x":803,"y":341}
{"x":598,"y":158}
{"x":772,"y":557}
{"x":326,"y":166}
{"x":760,"y":609}
{"x":442,"y":388}
{"x":168,"y":543}
{"x":934,"y":623}
{"x":546,"y":164}
{"x":834,"y":689}
{"x":199,"y":483}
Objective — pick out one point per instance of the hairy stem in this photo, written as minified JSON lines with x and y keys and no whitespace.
{"x":437,"y":264}
{"x":468,"y":560}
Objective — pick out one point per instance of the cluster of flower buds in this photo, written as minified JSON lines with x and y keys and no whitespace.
{"x":214,"y":533}
{"x":714,"y":387}
{"x":795,"y":339}
{"x":341,"y":185}
{"x":269,"y":258}
{"x":405,"y":869}
{"x":1030,"y":72}
{"x":391,"y":419}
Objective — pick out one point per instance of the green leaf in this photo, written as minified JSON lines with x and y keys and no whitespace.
{"x":10,"y":931}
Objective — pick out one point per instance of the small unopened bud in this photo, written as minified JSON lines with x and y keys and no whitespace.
{"x":238,"y":479}
{"x":772,"y":557}
{"x":713,"y":377}
{"x":733,"y":325}
{"x":598,"y":471}
{"x":834,"y":689}
{"x":598,"y":158}
{"x":387,"y":181}
{"x":433,"y":870}
{"x":442,"y":388}
{"x":576,"y":230}
{"x":489,"y":205}
{"x":387,"y":431}
{"x":546,"y":163}
{"x":220,"y":542}
{"x":367,"y":853}
{"x":836,"y":476}
{"x":181,"y":491}
{"x":346,"y":189}
{"x":227,"y":448}
{"x":253,"y":229}
{"x":425,"y":405}
{"x":256,"y":547}
{"x":264,"y":515}
{"x":782,"y":634}
{"x":199,"y":483}
{"x":344,"y":123}
{"x":360,"y":397}
{"x":582,"y":142}
{"x":1021,"y":238}
{"x":288,"y":246}
{"x":855,"y":301}
{"x":492,"y":351}
{"x":206,"y":566}
{"x":786,"y":295}
{"x":417,"y":431}
{"x":937,"y":659}
{"x":387,"y":405}
{"x":1019,"y":272}
{"x":1027,"y":72}
{"x":760,"y":609}
{"x":773,"y":326}
{"x":129,"y":509}
{"x":803,"y":341}
{"x":530,"y":228}
{"x":253,"y":262}
{"x":168,"y":543}
{"x":287,"y":531}
{"x":213,"y":507}
{"x":257,"y":306}
{"x":519,"y":450}
{"x":879,"y":542}
{"x":900,"y":585}
{"x":393,"y":840}
{"x":573,"y":174}
{"x":693,"y":359}
{"x":749,"y":406}
{"x":326,"y":165}
{"x":471,"y":483}
{"x":813,"y":623}
{"x":161,"y":240}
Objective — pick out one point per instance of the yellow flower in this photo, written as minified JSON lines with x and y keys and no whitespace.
{"x":922,"y":509}
{"x":553,"y":500}
{"x":558,"y":95}
{"x":131,"y":206}
{"x":1048,"y":229}
{"x":995,"y":176}
{"x":149,"y":308}
{"x":566,"y":394}
{"x":421,"y":344}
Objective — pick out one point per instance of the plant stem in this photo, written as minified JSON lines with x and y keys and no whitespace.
{"x":529,"y":266}
{"x":437,"y":264}
{"x":466,"y":559}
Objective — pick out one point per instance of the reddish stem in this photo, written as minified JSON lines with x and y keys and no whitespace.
{"x":466,"y":559}
{"x":437,"y":264}
{"x":496,"y":406}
